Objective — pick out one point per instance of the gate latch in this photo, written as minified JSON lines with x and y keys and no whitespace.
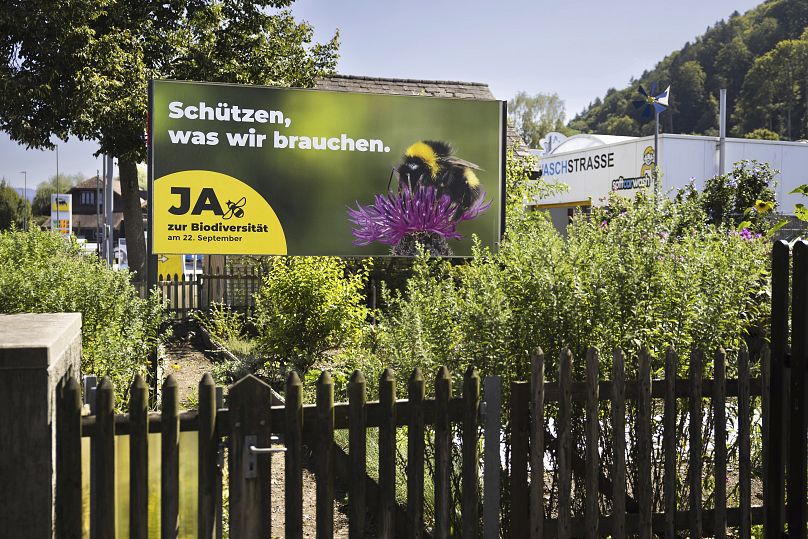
{"x":251,"y":453}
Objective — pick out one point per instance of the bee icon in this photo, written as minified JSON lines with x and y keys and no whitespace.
{"x":235,"y":209}
{"x":433,"y":163}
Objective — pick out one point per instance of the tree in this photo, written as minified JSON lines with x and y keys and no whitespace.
{"x":535,"y":116}
{"x":42,"y":198}
{"x":81,"y":68}
{"x":12,"y":207}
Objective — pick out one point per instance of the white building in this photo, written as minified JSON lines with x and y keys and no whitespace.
{"x":593,"y":166}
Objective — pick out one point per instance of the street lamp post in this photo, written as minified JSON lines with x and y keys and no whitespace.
{"x":25,"y":199}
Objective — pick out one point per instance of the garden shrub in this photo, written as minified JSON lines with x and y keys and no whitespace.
{"x":309,"y":308}
{"x":41,"y":272}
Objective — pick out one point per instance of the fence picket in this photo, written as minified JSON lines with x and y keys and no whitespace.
{"x":492,"y":456}
{"x":744,"y":446}
{"x":536,"y":504}
{"x":470,"y":483}
{"x":798,"y":422}
{"x":357,"y":451}
{"x":68,"y":479}
{"x":324,"y":454}
{"x":415,"y":454}
{"x":138,"y":459}
{"x":669,"y":443}
{"x":208,"y":448}
{"x":387,"y":455}
{"x":104,"y":516}
{"x":774,"y":400}
{"x":720,"y":442}
{"x":443,"y":390}
{"x":293,"y":459}
{"x":619,"y":444}
{"x":644,"y":447}
{"x":564,"y":446}
{"x":520,"y":407}
{"x":592,"y":431}
{"x":696,"y":417}
{"x":169,"y":464}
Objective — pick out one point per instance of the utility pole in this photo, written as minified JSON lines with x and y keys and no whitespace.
{"x":25,"y":199}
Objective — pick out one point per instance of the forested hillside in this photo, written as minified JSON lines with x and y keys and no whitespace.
{"x":761,"y":57}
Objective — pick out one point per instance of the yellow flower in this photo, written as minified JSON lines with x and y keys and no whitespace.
{"x":763,"y":206}
{"x":175,"y":366}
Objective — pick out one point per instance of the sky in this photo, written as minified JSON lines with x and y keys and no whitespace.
{"x":575,"y":48}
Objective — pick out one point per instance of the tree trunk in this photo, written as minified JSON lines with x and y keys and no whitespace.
{"x":133,"y":219}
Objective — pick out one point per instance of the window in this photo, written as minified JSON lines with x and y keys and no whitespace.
{"x":87,"y":198}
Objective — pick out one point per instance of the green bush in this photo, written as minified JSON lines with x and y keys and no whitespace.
{"x":308,"y":309}
{"x":40,"y":272}
{"x":732,"y":199}
{"x":639,"y":273}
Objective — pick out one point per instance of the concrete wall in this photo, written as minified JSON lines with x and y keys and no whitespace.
{"x":36,"y":352}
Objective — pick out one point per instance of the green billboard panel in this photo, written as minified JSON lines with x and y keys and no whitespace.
{"x":261,"y":170}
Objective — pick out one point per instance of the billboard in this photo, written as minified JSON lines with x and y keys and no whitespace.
{"x":62,"y":213}
{"x":262,"y":170}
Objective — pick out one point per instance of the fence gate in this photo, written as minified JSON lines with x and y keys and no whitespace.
{"x":250,"y":460}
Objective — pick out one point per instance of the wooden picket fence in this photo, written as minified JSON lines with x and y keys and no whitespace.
{"x":184,"y":294}
{"x":631,"y":512}
{"x":248,"y":423}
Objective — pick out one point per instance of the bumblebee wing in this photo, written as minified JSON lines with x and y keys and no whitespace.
{"x":454,"y":160}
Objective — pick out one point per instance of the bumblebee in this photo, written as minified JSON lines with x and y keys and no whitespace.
{"x":430,"y":162}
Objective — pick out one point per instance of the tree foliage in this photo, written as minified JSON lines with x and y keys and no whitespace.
{"x":41,"y":272}
{"x":534,"y":116}
{"x":81,"y":68}
{"x":760,"y":57}
{"x":12,"y":207}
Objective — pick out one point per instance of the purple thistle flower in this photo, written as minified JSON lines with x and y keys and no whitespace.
{"x":394,"y":215}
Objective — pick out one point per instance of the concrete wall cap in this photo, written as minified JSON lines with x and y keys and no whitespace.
{"x":34,"y":341}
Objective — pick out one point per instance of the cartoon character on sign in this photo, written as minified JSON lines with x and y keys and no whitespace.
{"x":648,"y":161}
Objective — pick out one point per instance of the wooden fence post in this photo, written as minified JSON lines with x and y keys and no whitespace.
{"x":619,"y":444}
{"x":250,"y":402}
{"x":293,"y":480}
{"x":138,"y":459}
{"x":68,"y":466}
{"x":564,"y":445}
{"x":798,"y":421}
{"x":696,"y":418}
{"x":536,"y":505}
{"x":592,"y":431}
{"x":644,"y":448}
{"x":443,"y":390}
{"x":208,"y":448}
{"x":415,"y":454}
{"x":357,"y":452}
{"x":324,"y":455}
{"x":170,"y":461}
{"x":720,"y":442}
{"x":470,"y":483}
{"x":669,"y":443}
{"x":520,"y":408}
{"x":492,"y":456}
{"x":775,"y":414}
{"x":744,"y":446}
{"x":387,"y":455}
{"x":103,"y":521}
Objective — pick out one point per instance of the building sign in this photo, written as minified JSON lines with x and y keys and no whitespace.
{"x":624,"y":168}
{"x":62,"y":213}
{"x":259,"y":170}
